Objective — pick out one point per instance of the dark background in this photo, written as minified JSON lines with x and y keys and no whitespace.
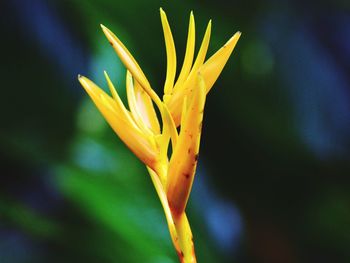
{"x":273,"y":179}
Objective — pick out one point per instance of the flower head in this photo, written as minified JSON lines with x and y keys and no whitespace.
{"x":181,"y":105}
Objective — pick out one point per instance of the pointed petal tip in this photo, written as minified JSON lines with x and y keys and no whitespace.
{"x":191,"y":17}
{"x":81,"y":78}
{"x":106,"y":30}
{"x":209,"y":26}
{"x":85,"y":82}
{"x":234,"y":38}
{"x":106,"y":75}
{"x":237,"y":34}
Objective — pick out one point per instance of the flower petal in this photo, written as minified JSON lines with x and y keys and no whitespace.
{"x":183,"y":162}
{"x":214,"y":65}
{"x":146,"y":108}
{"x":134,"y":139}
{"x":133,"y":105}
{"x":125,"y":56}
{"x":170,"y":52}
{"x":202,"y":50}
{"x":188,"y":60}
{"x":131,"y":64}
{"x":175,"y":102}
{"x":169,"y":126}
{"x":119,"y":104}
{"x":169,"y":132}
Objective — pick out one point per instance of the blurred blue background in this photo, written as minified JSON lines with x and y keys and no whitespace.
{"x":273,"y":182}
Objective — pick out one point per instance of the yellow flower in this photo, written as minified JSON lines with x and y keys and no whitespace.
{"x":182,"y":105}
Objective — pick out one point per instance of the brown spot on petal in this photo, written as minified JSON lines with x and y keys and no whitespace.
{"x":187,"y":175}
{"x":180,"y":255}
{"x":196,"y":157}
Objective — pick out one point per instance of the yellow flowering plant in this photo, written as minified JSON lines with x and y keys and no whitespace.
{"x":181,"y":111}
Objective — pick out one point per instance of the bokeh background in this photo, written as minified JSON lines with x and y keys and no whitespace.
{"x":273,"y":182}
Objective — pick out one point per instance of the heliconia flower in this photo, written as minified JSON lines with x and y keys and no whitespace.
{"x":182,"y":105}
